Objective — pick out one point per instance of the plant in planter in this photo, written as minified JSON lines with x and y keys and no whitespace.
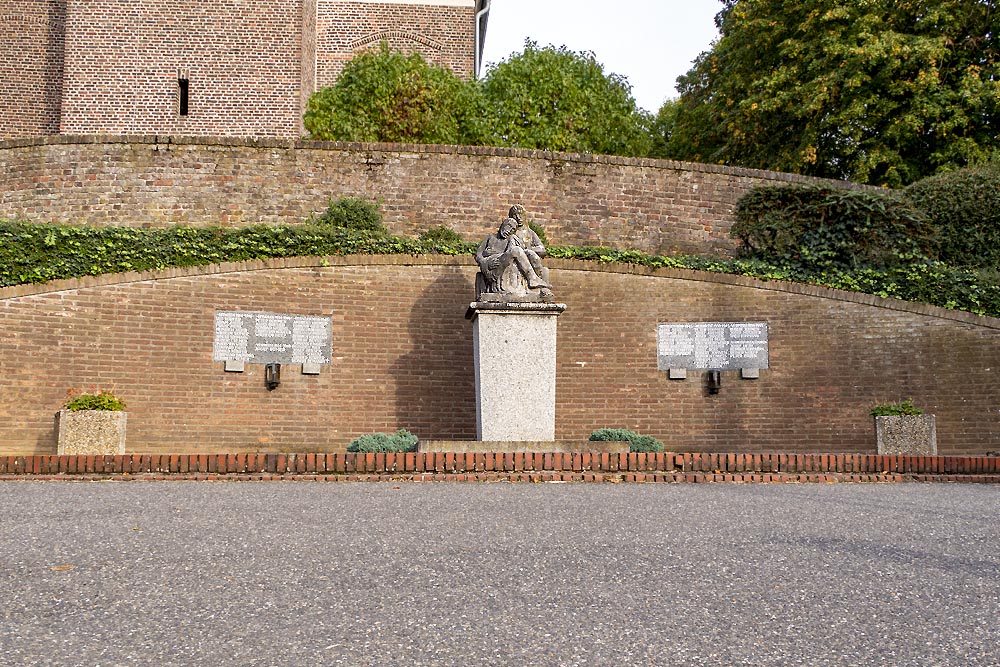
{"x":92,"y":424}
{"x":903,"y":428}
{"x":400,"y":441}
{"x":636,"y":441}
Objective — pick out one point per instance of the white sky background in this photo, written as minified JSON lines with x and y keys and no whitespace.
{"x":649,"y":42}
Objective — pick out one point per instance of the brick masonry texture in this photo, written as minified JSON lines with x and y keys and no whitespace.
{"x":657,"y":206}
{"x":403,"y":359}
{"x":510,"y":467}
{"x":107,"y":66}
{"x":443,"y":35}
{"x":123,"y":62}
{"x":31,"y":66}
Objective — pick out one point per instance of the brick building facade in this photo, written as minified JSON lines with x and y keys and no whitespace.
{"x":204,"y":67}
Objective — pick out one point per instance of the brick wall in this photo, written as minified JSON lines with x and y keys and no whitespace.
{"x":403,"y":358}
{"x":652,"y":205}
{"x":31,"y":52}
{"x":444,"y":34}
{"x":123,"y":62}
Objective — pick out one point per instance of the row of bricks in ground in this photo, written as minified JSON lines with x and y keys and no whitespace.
{"x":461,"y":463}
{"x":529,"y":477}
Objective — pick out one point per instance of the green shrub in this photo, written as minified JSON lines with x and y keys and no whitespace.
{"x":446,"y":241}
{"x":400,"y":441}
{"x":537,"y":228}
{"x":637,"y":442}
{"x":441,"y":235}
{"x":387,"y":95}
{"x":896,"y":409}
{"x":103,"y":400}
{"x":822,"y":228}
{"x":964,"y":209}
{"x":354,"y":214}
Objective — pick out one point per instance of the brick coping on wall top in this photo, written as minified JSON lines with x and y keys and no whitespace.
{"x":371,"y":147}
{"x":509,"y":467}
{"x":85,"y":282}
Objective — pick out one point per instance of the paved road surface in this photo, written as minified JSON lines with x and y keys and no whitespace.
{"x":214,"y":574}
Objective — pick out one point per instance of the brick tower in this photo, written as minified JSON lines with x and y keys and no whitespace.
{"x":204,"y":67}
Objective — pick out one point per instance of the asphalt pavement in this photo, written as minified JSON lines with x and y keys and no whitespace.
{"x":299,"y":573}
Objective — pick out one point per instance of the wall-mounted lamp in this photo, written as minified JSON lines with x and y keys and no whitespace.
{"x":272,"y":376}
{"x":714,"y":382}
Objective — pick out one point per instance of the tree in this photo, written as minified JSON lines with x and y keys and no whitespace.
{"x":555,"y":99}
{"x":384,"y":95}
{"x":661,"y":130}
{"x":877,"y":91}
{"x":549,"y":99}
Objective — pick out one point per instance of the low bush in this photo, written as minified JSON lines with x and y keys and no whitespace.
{"x":539,"y":232}
{"x":964,"y":209}
{"x":896,"y":409}
{"x":400,"y":441}
{"x":352,"y":213}
{"x":445,"y":241}
{"x":103,"y":400}
{"x":637,"y":442}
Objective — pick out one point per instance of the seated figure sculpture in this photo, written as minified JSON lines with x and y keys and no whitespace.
{"x":510,"y":261}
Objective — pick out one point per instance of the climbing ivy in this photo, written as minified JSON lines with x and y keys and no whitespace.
{"x":32,"y":253}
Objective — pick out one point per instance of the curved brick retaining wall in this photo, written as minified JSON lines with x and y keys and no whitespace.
{"x":402,"y":358}
{"x":658,"y":206}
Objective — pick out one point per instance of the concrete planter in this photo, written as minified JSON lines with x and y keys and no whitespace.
{"x":91,"y":432}
{"x":912,"y":435}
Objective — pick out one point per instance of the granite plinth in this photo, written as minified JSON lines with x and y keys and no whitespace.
{"x":537,"y":447}
{"x":913,"y":435}
{"x":514,"y":344}
{"x":91,"y":432}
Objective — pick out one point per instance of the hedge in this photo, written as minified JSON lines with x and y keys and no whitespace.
{"x":823,"y":228}
{"x":964,"y":210}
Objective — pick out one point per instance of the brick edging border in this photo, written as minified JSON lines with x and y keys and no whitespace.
{"x":508,"y":466}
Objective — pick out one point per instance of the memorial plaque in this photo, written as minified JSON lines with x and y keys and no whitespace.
{"x":266,"y":338}
{"x":723,"y":346}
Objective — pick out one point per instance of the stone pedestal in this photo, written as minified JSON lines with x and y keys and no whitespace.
{"x":515,"y":357}
{"x":912,"y":435}
{"x":91,"y":432}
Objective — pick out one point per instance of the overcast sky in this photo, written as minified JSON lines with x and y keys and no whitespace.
{"x":650,"y":42}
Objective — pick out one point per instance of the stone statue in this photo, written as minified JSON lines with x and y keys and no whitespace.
{"x":510,"y":262}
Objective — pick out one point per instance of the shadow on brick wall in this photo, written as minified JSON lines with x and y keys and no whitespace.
{"x":435,"y":384}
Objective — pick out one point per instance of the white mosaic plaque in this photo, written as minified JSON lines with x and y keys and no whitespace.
{"x":266,"y":338}
{"x":723,"y":346}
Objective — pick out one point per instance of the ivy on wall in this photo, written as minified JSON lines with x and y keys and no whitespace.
{"x":31,"y":253}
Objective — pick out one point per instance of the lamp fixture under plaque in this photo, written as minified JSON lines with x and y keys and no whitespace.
{"x":714,"y":381}
{"x":272,"y":376}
